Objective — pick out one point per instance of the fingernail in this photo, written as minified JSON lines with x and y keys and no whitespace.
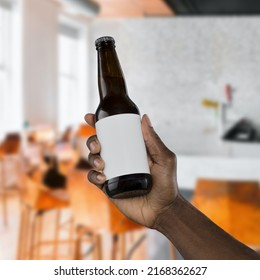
{"x":101,"y":177}
{"x":97,"y":162}
{"x":92,"y":146}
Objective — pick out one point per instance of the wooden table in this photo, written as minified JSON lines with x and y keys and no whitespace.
{"x":233,"y":205}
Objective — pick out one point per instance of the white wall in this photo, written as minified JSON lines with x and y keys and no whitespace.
{"x":40,"y":61}
{"x":171,"y":64}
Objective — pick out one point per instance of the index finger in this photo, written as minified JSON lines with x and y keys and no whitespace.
{"x":90,"y":119}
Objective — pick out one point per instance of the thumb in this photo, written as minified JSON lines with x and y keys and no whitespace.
{"x":155,"y":147}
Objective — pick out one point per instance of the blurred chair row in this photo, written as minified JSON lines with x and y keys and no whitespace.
{"x":74,"y":221}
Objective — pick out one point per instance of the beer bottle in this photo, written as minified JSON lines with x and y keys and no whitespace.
{"x":118,"y":127}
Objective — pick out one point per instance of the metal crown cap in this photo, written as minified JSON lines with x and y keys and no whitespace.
{"x":105,"y":40}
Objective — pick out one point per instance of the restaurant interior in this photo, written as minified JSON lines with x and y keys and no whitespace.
{"x":192,"y":66}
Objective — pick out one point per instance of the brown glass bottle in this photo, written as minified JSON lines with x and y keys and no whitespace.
{"x":119,"y":129}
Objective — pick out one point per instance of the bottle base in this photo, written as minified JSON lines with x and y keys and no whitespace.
{"x":128,"y":186}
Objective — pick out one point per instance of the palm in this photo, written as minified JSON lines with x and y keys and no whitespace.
{"x":145,"y":209}
{"x":136,"y":209}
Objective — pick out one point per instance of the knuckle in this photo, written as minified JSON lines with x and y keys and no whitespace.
{"x":90,"y":159}
{"x":171,"y":158}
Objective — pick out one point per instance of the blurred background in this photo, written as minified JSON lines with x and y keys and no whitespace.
{"x":192,"y":66}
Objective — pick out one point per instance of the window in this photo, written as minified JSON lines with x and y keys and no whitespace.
{"x":10,"y":89}
{"x":72,"y":101}
{"x":5,"y":69}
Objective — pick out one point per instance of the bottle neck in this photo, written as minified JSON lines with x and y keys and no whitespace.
{"x":111,"y":80}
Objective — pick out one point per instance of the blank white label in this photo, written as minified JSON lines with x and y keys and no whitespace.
{"x":122,"y":145}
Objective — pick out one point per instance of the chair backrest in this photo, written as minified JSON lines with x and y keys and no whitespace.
{"x":11,"y":160}
{"x":11,"y":144}
{"x":233,"y":205}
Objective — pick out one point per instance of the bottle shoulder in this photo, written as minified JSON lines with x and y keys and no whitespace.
{"x":112,"y":105}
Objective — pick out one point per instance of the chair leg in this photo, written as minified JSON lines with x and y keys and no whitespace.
{"x":98,"y":247}
{"x":114,"y":249}
{"x":33,"y":237}
{"x":5,"y":209}
{"x":27,"y":236}
{"x":71,"y":237}
{"x":118,"y":247}
{"x":4,"y":197}
{"x":56,"y":235}
{"x":79,"y":235}
{"x":21,"y":238}
{"x":38,"y":236}
{"x":122,"y":248}
{"x":23,"y":241}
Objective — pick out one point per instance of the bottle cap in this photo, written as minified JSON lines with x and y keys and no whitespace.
{"x":103,"y":41}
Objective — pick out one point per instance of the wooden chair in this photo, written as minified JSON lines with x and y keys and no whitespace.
{"x":233,"y":205}
{"x":37,"y":202}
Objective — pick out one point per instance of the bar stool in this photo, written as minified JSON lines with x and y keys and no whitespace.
{"x":100,"y":223}
{"x":123,"y":245}
{"x":37,"y":202}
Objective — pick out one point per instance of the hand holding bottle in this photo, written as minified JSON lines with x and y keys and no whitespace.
{"x":162,"y":162}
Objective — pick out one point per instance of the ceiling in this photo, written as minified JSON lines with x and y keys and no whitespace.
{"x":120,"y":8}
{"x":215,"y":7}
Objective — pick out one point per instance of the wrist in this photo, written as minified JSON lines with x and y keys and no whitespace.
{"x":168,"y":214}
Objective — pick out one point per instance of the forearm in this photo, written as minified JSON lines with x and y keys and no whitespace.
{"x":197,"y":237}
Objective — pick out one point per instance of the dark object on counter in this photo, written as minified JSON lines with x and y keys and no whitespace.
{"x":53,"y":179}
{"x":243,"y":131}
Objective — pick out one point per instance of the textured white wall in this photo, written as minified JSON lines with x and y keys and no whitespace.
{"x":171,"y":64}
{"x":40,"y":57}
